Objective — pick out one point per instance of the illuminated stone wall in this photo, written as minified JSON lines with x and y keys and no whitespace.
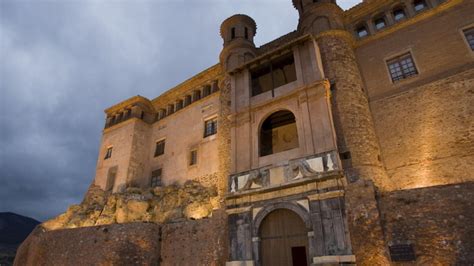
{"x":436,"y":220}
{"x":426,"y":133}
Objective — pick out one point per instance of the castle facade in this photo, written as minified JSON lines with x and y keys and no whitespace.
{"x":349,"y":140}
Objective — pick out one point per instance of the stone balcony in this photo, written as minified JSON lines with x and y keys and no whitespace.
{"x":296,"y":171}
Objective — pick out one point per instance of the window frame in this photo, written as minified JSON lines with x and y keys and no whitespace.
{"x":161,"y":152}
{"x":108,"y":152}
{"x":270,"y":63}
{"x":191,"y":162}
{"x":399,"y":57}
{"x":360,"y":26}
{"x":382,"y":18}
{"x":156,"y":180}
{"x":464,"y":37}
{"x":214,"y":126}
{"x":399,"y":8}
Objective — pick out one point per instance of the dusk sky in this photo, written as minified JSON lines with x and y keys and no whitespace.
{"x":63,"y":62}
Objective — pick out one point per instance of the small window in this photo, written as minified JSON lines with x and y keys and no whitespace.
{"x":179,"y":105}
{"x":362,"y":32}
{"x":232,"y":34}
{"x":206,"y":91}
{"x":246,"y":33}
{"x":380,"y":23}
{"x":170,"y":109}
{"x":419,"y":5}
{"x":193,"y":157}
{"x":469,"y":34}
{"x":196,"y":95}
{"x":187,"y":100}
{"x":108,"y":153}
{"x":401,"y":67}
{"x":142,"y":115}
{"x":156,"y":178}
{"x":210,"y":127}
{"x":160,"y":148}
{"x":399,"y":14}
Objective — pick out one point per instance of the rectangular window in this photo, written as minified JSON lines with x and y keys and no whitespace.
{"x":193,"y":157}
{"x":210,"y":127}
{"x":160,"y":148}
{"x":401,"y":67}
{"x":274,"y":74}
{"x":469,"y":34}
{"x":108,"y":153}
{"x":156,"y":178}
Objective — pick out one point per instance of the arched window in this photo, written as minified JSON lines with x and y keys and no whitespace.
{"x":362,"y":31}
{"x":399,"y":13}
{"x":278,"y":133}
{"x":380,"y":23}
{"x":419,"y":5}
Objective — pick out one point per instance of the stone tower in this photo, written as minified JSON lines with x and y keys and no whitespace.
{"x":357,"y":141}
{"x":237,"y":32}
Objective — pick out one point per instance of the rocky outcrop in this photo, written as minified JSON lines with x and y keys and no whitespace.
{"x":157,"y":205}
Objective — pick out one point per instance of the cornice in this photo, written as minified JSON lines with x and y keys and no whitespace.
{"x":212,"y":73}
{"x":129,"y":102}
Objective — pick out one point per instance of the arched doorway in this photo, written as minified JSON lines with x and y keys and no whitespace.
{"x":278,"y":133}
{"x":284,"y":239}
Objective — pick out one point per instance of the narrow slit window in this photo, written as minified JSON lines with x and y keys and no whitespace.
{"x":193,"y":157}
{"x":232,"y":34}
{"x":402,"y":67}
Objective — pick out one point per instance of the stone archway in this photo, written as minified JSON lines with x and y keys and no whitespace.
{"x":282,"y":233}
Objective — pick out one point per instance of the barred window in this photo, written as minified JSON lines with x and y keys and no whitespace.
{"x":401,"y":67}
{"x":193,"y":157}
{"x":210,"y":127}
{"x":156,"y":178}
{"x":469,"y":34}
{"x":108,"y":153}
{"x":160,"y":148}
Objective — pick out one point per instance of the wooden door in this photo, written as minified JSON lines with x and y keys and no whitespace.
{"x":284,"y":239}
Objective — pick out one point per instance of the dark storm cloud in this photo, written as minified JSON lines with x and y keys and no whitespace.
{"x":63,"y":62}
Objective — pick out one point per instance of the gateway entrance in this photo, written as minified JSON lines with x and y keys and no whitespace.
{"x":284,"y":239}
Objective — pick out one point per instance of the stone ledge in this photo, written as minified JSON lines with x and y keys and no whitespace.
{"x":240,"y":263}
{"x":334,"y":259}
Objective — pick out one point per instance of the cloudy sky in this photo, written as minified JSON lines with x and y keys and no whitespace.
{"x":63,"y":62}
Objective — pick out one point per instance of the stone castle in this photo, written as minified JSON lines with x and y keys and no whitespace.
{"x":347,"y":141}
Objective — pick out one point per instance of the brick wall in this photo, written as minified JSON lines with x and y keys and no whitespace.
{"x":437,"y":220}
{"x":427,"y":134}
{"x":201,"y":242}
